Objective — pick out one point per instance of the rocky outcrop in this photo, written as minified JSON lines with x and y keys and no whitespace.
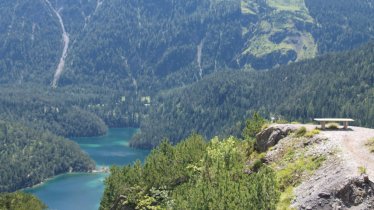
{"x":271,"y":136}
{"x":355,"y":193}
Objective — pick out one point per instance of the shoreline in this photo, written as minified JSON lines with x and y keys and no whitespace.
{"x":99,"y":170}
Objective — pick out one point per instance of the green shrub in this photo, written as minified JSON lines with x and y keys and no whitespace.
{"x":332,"y":126}
{"x":311,"y":133}
{"x":291,"y":174}
{"x":257,"y":165}
{"x":285,"y":199}
{"x":253,"y":126}
{"x":265,"y":126}
{"x":370,"y":144}
{"x":300,"y":132}
{"x":361,"y":170}
{"x":295,"y":122}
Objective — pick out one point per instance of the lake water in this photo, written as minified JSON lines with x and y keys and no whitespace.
{"x":83,"y":191}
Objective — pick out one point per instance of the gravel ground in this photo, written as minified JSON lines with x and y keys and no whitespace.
{"x":346,"y":151}
{"x":354,"y":153}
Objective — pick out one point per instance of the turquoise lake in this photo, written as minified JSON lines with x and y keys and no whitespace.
{"x":83,"y":191}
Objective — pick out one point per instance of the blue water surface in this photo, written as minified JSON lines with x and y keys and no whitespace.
{"x":83,"y":191}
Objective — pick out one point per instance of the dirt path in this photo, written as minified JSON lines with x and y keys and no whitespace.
{"x":354,"y":153}
{"x":346,"y":152}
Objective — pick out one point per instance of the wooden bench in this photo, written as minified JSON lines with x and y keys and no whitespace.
{"x":324,"y":120}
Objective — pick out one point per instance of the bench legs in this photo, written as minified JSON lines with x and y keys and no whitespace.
{"x":345,"y":125}
{"x":323,"y":125}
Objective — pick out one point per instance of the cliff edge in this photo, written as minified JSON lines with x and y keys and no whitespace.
{"x":343,"y":176}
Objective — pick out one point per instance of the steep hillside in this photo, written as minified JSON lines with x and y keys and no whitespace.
{"x":336,"y":85}
{"x":138,"y":44}
{"x":152,"y":45}
{"x":145,"y":45}
{"x":341,"y":25}
{"x":31,"y":37}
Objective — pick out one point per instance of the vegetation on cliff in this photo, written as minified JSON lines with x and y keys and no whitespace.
{"x":194,"y":174}
{"x":219,"y":174}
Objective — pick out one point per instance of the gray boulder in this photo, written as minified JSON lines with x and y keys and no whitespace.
{"x":271,"y":136}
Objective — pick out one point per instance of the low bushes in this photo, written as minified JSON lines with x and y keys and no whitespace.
{"x":300,"y":132}
{"x":311,"y":133}
{"x":332,"y":126}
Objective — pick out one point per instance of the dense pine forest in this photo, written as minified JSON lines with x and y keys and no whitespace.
{"x":335,"y":85}
{"x":196,"y":174}
{"x":48,"y":112}
{"x":28,"y":157}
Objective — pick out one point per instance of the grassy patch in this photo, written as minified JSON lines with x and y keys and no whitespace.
{"x":285,"y":16}
{"x":362,"y":170}
{"x":265,"y":126}
{"x":288,"y":5}
{"x":293,"y":165}
{"x":311,"y":133}
{"x":370,"y":144}
{"x":293,"y":171}
{"x":300,"y":132}
{"x":285,"y":199}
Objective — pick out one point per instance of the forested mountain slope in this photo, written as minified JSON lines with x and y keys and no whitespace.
{"x":28,"y":157}
{"x":152,"y":45}
{"x":30,"y":35}
{"x":335,"y":85}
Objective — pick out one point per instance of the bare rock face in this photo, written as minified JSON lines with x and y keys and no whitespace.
{"x":271,"y":136}
{"x":355,"y":193}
